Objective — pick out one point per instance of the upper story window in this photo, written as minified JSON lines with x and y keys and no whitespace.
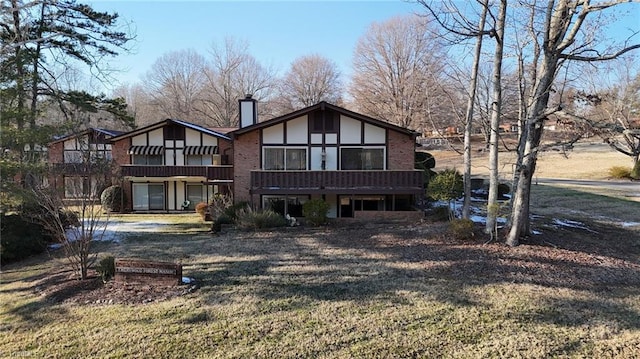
{"x":199,"y":160}
{"x":148,"y":160}
{"x":283,"y":158}
{"x":362,"y":158}
{"x":324,"y":121}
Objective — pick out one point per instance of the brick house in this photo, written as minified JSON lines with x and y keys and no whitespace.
{"x":76,"y":160}
{"x":172,"y":165}
{"x":363,"y":167}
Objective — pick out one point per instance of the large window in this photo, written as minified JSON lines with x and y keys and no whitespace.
{"x":359,"y":158}
{"x":76,"y":187}
{"x":147,"y":160}
{"x":279,"y":158}
{"x":148,"y":196}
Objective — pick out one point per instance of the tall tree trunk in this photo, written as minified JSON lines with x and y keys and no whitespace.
{"x":492,"y":201}
{"x":469,"y":115}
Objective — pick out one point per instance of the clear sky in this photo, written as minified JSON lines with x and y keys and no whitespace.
{"x":277,"y":32}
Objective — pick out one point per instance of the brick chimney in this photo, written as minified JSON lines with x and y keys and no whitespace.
{"x":248,"y":111}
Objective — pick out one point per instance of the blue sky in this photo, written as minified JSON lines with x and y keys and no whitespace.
{"x":277,"y":32}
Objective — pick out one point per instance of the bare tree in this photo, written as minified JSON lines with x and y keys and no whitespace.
{"x":176,"y":83}
{"x":560,"y":36}
{"x":231,"y":74}
{"x":397,"y":65}
{"x":73,"y":215}
{"x":311,"y":79}
{"x":613,"y":109}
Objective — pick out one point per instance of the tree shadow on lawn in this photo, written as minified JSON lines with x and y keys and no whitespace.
{"x":376,"y":263}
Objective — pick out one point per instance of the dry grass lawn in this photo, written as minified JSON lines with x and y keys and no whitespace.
{"x":378,"y":290}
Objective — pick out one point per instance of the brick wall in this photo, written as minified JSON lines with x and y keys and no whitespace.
{"x":56,"y":152}
{"x":246,"y":157}
{"x":401,"y":151}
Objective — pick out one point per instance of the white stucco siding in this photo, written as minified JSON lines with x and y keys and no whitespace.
{"x":350,"y":130}
{"x":316,"y":138}
{"x":156,"y":137}
{"x":298,"y":130}
{"x":273,"y":135}
{"x":331,"y":138}
{"x":209,"y":140}
{"x":192,"y":137}
{"x":70,"y":144}
{"x":374,"y":134}
{"x":139,"y":140}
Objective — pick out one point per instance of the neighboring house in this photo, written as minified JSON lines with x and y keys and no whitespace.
{"x":173,"y":165}
{"x":363,"y":167}
{"x":80,"y":164}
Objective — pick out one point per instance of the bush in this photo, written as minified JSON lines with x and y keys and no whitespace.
{"x":441,"y":213}
{"x":113,"y":199}
{"x":446,"y":186}
{"x":106,"y":268}
{"x":231,"y":213}
{"x":249,"y":219}
{"x":20,"y":238}
{"x":619,"y":172}
{"x":201,"y":209}
{"x":315,"y":211}
{"x":461,"y":228}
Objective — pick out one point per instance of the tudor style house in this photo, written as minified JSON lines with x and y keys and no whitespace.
{"x":79,"y":163}
{"x":172,"y":165}
{"x":363,"y":167}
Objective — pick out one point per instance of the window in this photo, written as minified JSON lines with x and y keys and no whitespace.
{"x":148,"y":196}
{"x":283,"y":205}
{"x":147,"y":160}
{"x":80,"y":187}
{"x":199,"y":160}
{"x":291,"y":159}
{"x":324,"y":121}
{"x":362,"y":158}
{"x":72,"y":156}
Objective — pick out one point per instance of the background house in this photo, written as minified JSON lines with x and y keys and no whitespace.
{"x":361,"y":166}
{"x":81,"y":163}
{"x":172,"y":165}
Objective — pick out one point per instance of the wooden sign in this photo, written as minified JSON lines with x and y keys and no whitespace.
{"x":144,"y":271}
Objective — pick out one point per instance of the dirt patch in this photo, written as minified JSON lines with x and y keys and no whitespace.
{"x":65,"y":287}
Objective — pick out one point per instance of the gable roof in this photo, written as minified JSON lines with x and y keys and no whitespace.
{"x":168,"y":121}
{"x":322,"y":106}
{"x":107,"y":132}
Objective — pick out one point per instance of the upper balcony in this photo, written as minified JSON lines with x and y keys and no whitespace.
{"x":224,"y":173}
{"x":341,"y":182}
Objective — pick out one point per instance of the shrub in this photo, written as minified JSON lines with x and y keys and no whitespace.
{"x":106,"y":268}
{"x":315,"y":211}
{"x":446,"y":186}
{"x":249,"y":219}
{"x":441,"y":213}
{"x":20,"y":238}
{"x":619,"y":172}
{"x":461,"y":228}
{"x":503,"y":189}
{"x":113,"y":199}
{"x":201,"y":209}
{"x":231,"y":213}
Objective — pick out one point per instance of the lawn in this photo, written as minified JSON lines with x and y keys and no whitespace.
{"x":382,"y":290}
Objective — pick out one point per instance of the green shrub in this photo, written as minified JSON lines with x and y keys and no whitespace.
{"x":446,"y":186}
{"x":106,"y":268}
{"x":461,"y":228}
{"x":619,"y":172}
{"x":201,"y":209}
{"x":249,"y":219}
{"x":113,"y":199}
{"x":20,"y":238}
{"x":315,"y":211}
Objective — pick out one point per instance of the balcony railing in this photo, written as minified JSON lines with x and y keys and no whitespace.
{"x":352,"y":182}
{"x":209,"y":172}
